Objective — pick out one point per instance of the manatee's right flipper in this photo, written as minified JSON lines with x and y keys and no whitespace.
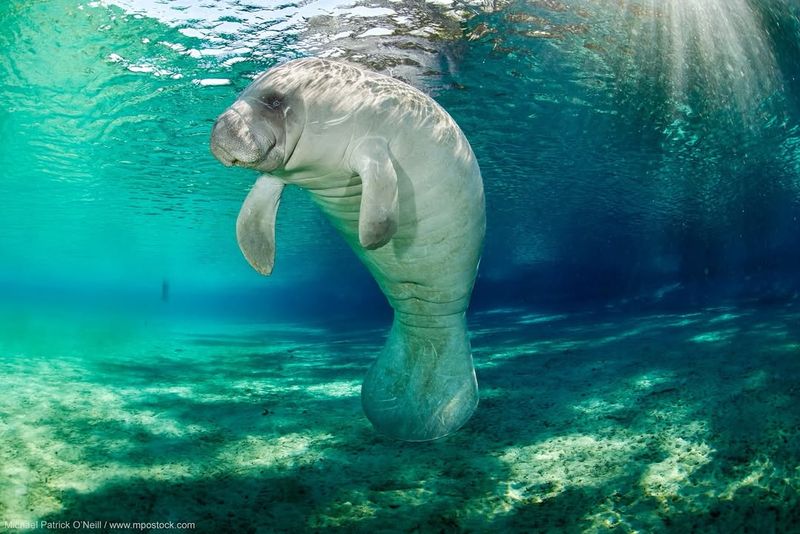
{"x":422,"y":385}
{"x":255,"y":226}
{"x":379,"y":212}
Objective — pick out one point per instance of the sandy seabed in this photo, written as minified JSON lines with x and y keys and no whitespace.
{"x":596,"y":422}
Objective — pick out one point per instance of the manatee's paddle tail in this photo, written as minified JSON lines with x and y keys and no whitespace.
{"x":422,"y":386}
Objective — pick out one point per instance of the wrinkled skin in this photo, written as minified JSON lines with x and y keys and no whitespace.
{"x":398,"y":179}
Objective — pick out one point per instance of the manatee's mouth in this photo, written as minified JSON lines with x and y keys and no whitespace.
{"x":229,"y":160}
{"x":236,"y":157}
{"x":224,"y":157}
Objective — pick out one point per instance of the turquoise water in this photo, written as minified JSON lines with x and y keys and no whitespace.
{"x":635,"y":319}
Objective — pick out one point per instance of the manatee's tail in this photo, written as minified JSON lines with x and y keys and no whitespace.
{"x":422,"y":386}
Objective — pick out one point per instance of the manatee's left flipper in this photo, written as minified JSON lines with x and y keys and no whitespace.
{"x":378,"y":215}
{"x":255,"y":226}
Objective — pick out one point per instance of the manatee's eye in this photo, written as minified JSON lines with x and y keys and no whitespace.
{"x":272,"y":102}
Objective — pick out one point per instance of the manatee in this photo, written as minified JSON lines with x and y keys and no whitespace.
{"x":398,"y":179}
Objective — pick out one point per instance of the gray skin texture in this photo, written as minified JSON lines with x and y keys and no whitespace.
{"x":398,"y":179}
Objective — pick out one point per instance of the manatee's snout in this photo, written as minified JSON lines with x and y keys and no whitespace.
{"x":233,"y":141}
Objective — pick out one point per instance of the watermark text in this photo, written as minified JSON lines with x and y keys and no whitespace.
{"x":95,"y":525}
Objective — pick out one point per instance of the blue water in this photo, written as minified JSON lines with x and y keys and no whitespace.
{"x":641,"y":163}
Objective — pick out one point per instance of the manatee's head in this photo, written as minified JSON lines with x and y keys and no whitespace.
{"x":252,"y":132}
